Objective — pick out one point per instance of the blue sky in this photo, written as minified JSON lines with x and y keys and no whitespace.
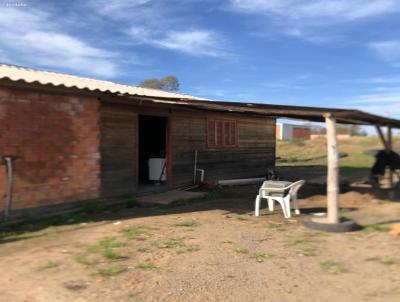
{"x":337,"y":53}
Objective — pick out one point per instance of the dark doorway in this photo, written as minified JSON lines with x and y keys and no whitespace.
{"x":152,"y":145}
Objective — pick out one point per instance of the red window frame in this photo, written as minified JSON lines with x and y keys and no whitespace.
{"x":222,"y":133}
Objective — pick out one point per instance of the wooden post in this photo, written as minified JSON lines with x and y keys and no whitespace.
{"x":382,"y":137}
{"x":333,"y":169}
{"x":390,"y":147}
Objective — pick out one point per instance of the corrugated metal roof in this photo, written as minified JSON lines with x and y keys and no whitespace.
{"x":17,"y":73}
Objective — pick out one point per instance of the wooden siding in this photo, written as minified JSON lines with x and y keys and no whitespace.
{"x":253,"y":155}
{"x":118,"y":146}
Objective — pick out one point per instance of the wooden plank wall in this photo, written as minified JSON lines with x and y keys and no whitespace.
{"x":255,"y":153}
{"x":118,"y":147}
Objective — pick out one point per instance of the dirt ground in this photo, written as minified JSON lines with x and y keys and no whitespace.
{"x":213,"y":250}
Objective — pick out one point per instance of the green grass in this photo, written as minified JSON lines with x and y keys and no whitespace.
{"x":48,"y":265}
{"x":145,"y":265}
{"x":111,"y":270}
{"x":136,"y":232}
{"x":333,"y":267}
{"x":84,"y":259}
{"x":170,"y":243}
{"x":376,"y":228}
{"x":241,"y":250}
{"x":261,"y":256}
{"x":384,"y":260}
{"x":143,"y":250}
{"x":106,"y":247}
{"x":28,"y":228}
{"x":313,"y":152}
{"x":309,"y":252}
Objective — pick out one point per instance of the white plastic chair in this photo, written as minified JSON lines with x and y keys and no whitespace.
{"x":282,"y":195}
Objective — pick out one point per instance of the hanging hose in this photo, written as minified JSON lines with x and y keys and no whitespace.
{"x":8,"y":197}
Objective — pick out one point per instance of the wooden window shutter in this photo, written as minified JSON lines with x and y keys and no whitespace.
{"x":211,"y":135}
{"x":233,"y":134}
{"x":219,"y":134}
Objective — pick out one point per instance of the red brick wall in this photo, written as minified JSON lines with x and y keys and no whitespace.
{"x":302,"y":133}
{"x":57,"y":140}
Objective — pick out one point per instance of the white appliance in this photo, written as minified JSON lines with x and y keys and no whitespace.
{"x":156,"y":166}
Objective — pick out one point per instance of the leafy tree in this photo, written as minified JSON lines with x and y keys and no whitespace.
{"x":168,"y":83}
{"x":151,"y":83}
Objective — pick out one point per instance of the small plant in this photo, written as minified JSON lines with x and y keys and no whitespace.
{"x":189,"y":248}
{"x":143,"y":250}
{"x":111,"y":254}
{"x":385,"y":261}
{"x":135,"y":233}
{"x":145,"y":265}
{"x":332,"y":267}
{"x":187,"y":223}
{"x":260,"y":256}
{"x":111,"y":270}
{"x":48,"y":265}
{"x":242,"y":250}
{"x":171,"y":243}
{"x":308,"y":253}
{"x":241,"y":218}
{"x":83,"y":259}
{"x":376,"y":228}
{"x":106,"y":247}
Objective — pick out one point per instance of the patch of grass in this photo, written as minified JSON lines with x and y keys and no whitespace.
{"x":111,"y":270}
{"x":187,"y":223}
{"x":190,"y":248}
{"x":261,"y":256}
{"x":48,"y":265}
{"x":384,"y":260}
{"x":84,"y":259}
{"x":297,"y":142}
{"x":242,"y":218}
{"x":170,"y":243}
{"x":106,"y":247}
{"x":136,"y":232}
{"x":241,"y":250}
{"x":308,"y":253}
{"x":376,"y":228}
{"x":333,"y":267}
{"x":25,"y":229}
{"x":145,"y":265}
{"x":143,"y":250}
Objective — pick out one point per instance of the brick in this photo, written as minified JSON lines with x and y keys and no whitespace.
{"x":60,"y":151}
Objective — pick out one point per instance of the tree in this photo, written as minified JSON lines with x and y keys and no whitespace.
{"x":168,"y":83}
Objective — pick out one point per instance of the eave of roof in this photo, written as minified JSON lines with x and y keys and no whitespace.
{"x":104,"y":88}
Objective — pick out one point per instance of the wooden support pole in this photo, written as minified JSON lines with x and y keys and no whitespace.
{"x":390,"y":148}
{"x":333,"y":170}
{"x":382,"y":137}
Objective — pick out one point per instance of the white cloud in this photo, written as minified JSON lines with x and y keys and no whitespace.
{"x":303,"y":18}
{"x":193,"y":42}
{"x":163,"y":25}
{"x":387,"y":50}
{"x":385,"y":103}
{"x":318,"y":11}
{"x":32,"y":36}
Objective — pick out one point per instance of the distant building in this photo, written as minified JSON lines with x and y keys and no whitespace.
{"x":288,"y":131}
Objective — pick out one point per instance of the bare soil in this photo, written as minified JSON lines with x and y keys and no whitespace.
{"x":214,"y":250}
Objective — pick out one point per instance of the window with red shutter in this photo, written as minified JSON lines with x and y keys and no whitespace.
{"x":221,"y":133}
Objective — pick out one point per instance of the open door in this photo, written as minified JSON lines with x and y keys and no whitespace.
{"x":152,"y":150}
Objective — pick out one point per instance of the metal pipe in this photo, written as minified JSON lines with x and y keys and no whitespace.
{"x":202,"y":172}
{"x":8,"y":198}
{"x":195,"y":167}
